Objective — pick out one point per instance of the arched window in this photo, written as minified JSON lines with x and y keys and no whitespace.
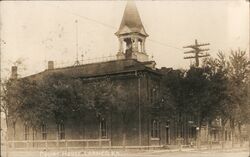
{"x":140,"y":49}
{"x":61,"y":131}
{"x":44,"y":131}
{"x":155,"y":128}
{"x":103,"y":129}
{"x":26,"y":131}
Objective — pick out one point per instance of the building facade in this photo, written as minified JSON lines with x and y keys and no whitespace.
{"x":140,"y":80}
{"x":134,"y":72}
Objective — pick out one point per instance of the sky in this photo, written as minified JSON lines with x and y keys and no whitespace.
{"x":35,"y":32}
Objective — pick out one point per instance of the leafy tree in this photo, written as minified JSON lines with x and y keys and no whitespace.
{"x":99,"y":96}
{"x":11,"y":102}
{"x":238,"y":74}
{"x":21,"y":102}
{"x":220,"y":106}
{"x":229,"y":88}
{"x":63,"y":97}
{"x":172,"y":93}
{"x":37,"y":101}
{"x":122,"y":108}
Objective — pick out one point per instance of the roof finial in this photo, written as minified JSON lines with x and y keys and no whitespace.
{"x":131,"y":21}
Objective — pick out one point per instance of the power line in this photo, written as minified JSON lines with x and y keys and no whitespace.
{"x":197,"y":51}
{"x":87,"y":18}
{"x":164,"y":44}
{"x":113,"y":27}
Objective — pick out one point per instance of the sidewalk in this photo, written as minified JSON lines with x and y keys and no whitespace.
{"x":203,"y":149}
{"x":130,"y":152}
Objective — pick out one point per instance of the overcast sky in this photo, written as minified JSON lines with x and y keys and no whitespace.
{"x":36,"y":32}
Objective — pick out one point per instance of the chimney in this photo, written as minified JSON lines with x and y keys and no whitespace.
{"x":50,"y":65}
{"x":14,"y":72}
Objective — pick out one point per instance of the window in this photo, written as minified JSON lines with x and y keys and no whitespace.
{"x":214,"y":134}
{"x":167,"y":124}
{"x":225,"y":135}
{"x":26,"y":131}
{"x":229,"y":136}
{"x":14,"y":130}
{"x":140,"y":49}
{"x":192,"y":132}
{"x":44,"y":131}
{"x":153,"y":95}
{"x":181,"y":130}
{"x":167,"y":132}
{"x":61,"y":131}
{"x":155,"y":129}
{"x":103,"y":128}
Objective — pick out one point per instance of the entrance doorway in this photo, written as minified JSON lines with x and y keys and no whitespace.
{"x":167,"y":133}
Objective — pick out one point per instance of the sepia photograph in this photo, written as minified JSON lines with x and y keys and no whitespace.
{"x":125,"y":78}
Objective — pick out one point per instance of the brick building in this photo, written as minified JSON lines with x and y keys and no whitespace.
{"x":141,"y":80}
{"x":132,"y":70}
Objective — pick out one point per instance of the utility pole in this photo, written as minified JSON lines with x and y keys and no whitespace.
{"x":197,"y":51}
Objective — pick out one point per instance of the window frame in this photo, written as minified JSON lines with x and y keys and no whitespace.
{"x":103,"y":128}
{"x":61,"y":131}
{"x":44,"y":131}
{"x":155,"y":129}
{"x":26,"y":132}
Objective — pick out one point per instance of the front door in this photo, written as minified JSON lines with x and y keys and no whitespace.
{"x":167,"y":135}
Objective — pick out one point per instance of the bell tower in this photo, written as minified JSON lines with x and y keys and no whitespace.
{"x":131,"y":35}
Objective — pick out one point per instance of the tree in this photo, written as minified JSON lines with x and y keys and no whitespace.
{"x":9,"y":105}
{"x":123,"y":108}
{"x":99,"y":96}
{"x":172,"y":92}
{"x":238,"y":74}
{"x":62,"y":96}
{"x":37,"y":101}
{"x":229,"y":88}
{"x":219,"y":91}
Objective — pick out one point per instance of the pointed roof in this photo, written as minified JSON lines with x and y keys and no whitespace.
{"x":131,"y":21}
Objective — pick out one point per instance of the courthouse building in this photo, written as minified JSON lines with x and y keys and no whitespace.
{"x":131,"y":69}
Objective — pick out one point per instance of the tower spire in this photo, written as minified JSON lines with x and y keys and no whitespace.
{"x":131,"y":35}
{"x":131,"y":21}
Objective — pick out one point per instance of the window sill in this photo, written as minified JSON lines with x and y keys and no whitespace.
{"x":104,"y":137}
{"x":155,"y":139}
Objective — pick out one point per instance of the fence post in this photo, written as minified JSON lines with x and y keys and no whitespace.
{"x":110,"y":145}
{"x":13,"y":145}
{"x":27,"y":145}
{"x":46,"y":145}
{"x":83,"y":142}
{"x":57,"y":144}
{"x":100,"y":142}
{"x":66,"y":144}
